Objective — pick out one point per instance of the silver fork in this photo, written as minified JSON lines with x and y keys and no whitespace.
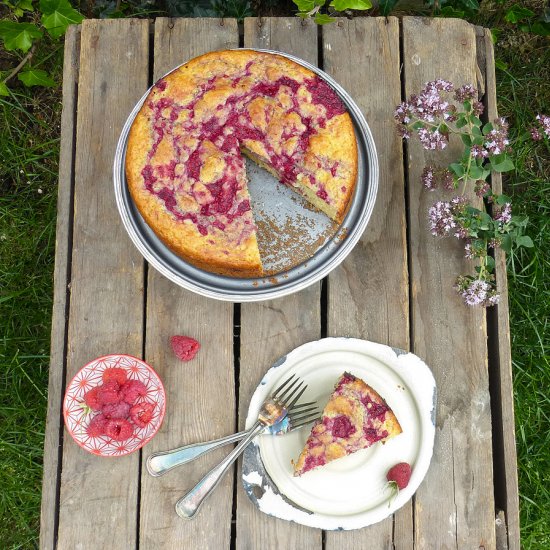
{"x":273,"y":410}
{"x":164,"y":461}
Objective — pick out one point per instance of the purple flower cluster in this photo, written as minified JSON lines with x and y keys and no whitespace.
{"x":476,"y":292}
{"x":505,"y":214}
{"x":432,"y":177}
{"x":481,"y":188}
{"x":444,"y":219}
{"x":433,"y":140}
{"x":496,"y":141}
{"x":542,"y":129}
{"x":477,"y":151}
{"x":465,"y":93}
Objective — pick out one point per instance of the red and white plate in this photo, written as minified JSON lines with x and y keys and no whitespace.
{"x":77,"y":419}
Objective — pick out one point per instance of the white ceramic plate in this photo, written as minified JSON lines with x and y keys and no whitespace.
{"x":350,"y":492}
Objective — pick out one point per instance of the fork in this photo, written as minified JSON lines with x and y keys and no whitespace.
{"x":164,"y":461}
{"x":273,"y":410}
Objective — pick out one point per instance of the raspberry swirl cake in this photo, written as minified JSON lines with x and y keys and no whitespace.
{"x":355,"y":418}
{"x":184,"y":163}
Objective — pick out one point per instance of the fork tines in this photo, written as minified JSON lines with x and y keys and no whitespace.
{"x":288,"y":393}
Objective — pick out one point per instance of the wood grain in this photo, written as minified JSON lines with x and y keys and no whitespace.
{"x":201,"y":393}
{"x":63,"y":232}
{"x":454,"y":505}
{"x":500,"y":352}
{"x":272,"y":328}
{"x":98,"y":496}
{"x":368,"y":293}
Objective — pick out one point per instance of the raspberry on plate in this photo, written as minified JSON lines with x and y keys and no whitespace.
{"x":97,"y":425}
{"x":115,"y":373}
{"x":184,"y":347}
{"x":142,"y":413}
{"x":119,"y":429}
{"x":91,"y":398}
{"x":116,"y":410}
{"x":109,"y":392}
{"x":132,"y":390}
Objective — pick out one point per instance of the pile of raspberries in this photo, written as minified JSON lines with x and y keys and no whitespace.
{"x":116,"y":400}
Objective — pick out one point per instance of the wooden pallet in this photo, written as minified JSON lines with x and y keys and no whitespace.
{"x":395,"y":288}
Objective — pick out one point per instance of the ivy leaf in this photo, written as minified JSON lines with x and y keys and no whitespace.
{"x":305,"y":6}
{"x":517,"y":13}
{"x":323,"y":18}
{"x":36,"y":77}
{"x":525,"y":241}
{"x":18,"y":36}
{"x":343,"y":5}
{"x":542,"y":28}
{"x":58,"y":15}
{"x":504,"y":166}
{"x":4,"y":89}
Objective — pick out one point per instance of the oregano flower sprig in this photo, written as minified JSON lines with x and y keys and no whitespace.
{"x":433,"y":117}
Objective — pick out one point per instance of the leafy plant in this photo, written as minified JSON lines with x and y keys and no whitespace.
{"x":486,"y":148}
{"x":23,"y":36}
{"x":313,"y":8}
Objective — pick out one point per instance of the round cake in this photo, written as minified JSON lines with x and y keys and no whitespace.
{"x":184,"y":161}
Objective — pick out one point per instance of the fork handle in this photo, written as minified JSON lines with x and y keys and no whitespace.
{"x":164,"y":461}
{"x":188,"y":505}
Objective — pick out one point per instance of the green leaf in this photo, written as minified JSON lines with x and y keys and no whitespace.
{"x":487,"y":128}
{"x":541,"y":28}
{"x":323,"y":18}
{"x":466,"y":139}
{"x":476,"y":131}
{"x":501,"y":199}
{"x":501,"y":65}
{"x":386,"y":6}
{"x":475,"y":120}
{"x":490,"y":263}
{"x":449,"y":11}
{"x":461,"y":122}
{"x":518,"y":13}
{"x":525,"y":241}
{"x":475,"y":172}
{"x":495,"y":33}
{"x":305,"y":6}
{"x":506,"y":244}
{"x":18,"y":36}
{"x":417,"y":125}
{"x":36,"y":77}
{"x":457,"y":168}
{"x":505,"y":166}
{"x":4,"y":89}
{"x":343,"y":5}
{"x":58,"y":15}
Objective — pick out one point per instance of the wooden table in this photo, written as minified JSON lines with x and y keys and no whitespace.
{"x":395,"y":288}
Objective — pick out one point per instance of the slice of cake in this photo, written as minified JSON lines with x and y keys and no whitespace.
{"x":355,"y":418}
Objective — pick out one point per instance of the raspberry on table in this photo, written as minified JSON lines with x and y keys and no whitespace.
{"x":184,"y":347}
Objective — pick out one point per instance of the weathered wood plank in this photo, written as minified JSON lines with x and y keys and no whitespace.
{"x":368,"y":293}
{"x":48,"y":515}
{"x":99,"y":496}
{"x":274,"y":327}
{"x":200,"y":394}
{"x":454,"y":507}
{"x":500,"y":351}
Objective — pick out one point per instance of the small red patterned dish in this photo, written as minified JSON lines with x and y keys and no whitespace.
{"x":77,"y":419}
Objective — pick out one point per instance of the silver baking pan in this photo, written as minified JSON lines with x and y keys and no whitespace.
{"x":299,"y":246}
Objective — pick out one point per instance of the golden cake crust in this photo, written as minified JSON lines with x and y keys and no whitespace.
{"x":184,"y":166}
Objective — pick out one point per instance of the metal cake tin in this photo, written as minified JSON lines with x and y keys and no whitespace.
{"x":332,"y":249}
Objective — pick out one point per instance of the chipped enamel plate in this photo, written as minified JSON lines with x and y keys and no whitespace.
{"x":350,"y":492}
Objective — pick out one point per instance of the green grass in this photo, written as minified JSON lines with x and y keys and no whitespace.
{"x":29,"y":147}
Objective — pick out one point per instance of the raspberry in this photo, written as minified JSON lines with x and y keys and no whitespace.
{"x":119,"y":429}
{"x":142,"y":413}
{"x":91,"y":398}
{"x":116,"y":410}
{"x":400,"y":474}
{"x":184,"y":347}
{"x":132,"y":390}
{"x":109,"y":392}
{"x":97,"y":426}
{"x":117,"y":374}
